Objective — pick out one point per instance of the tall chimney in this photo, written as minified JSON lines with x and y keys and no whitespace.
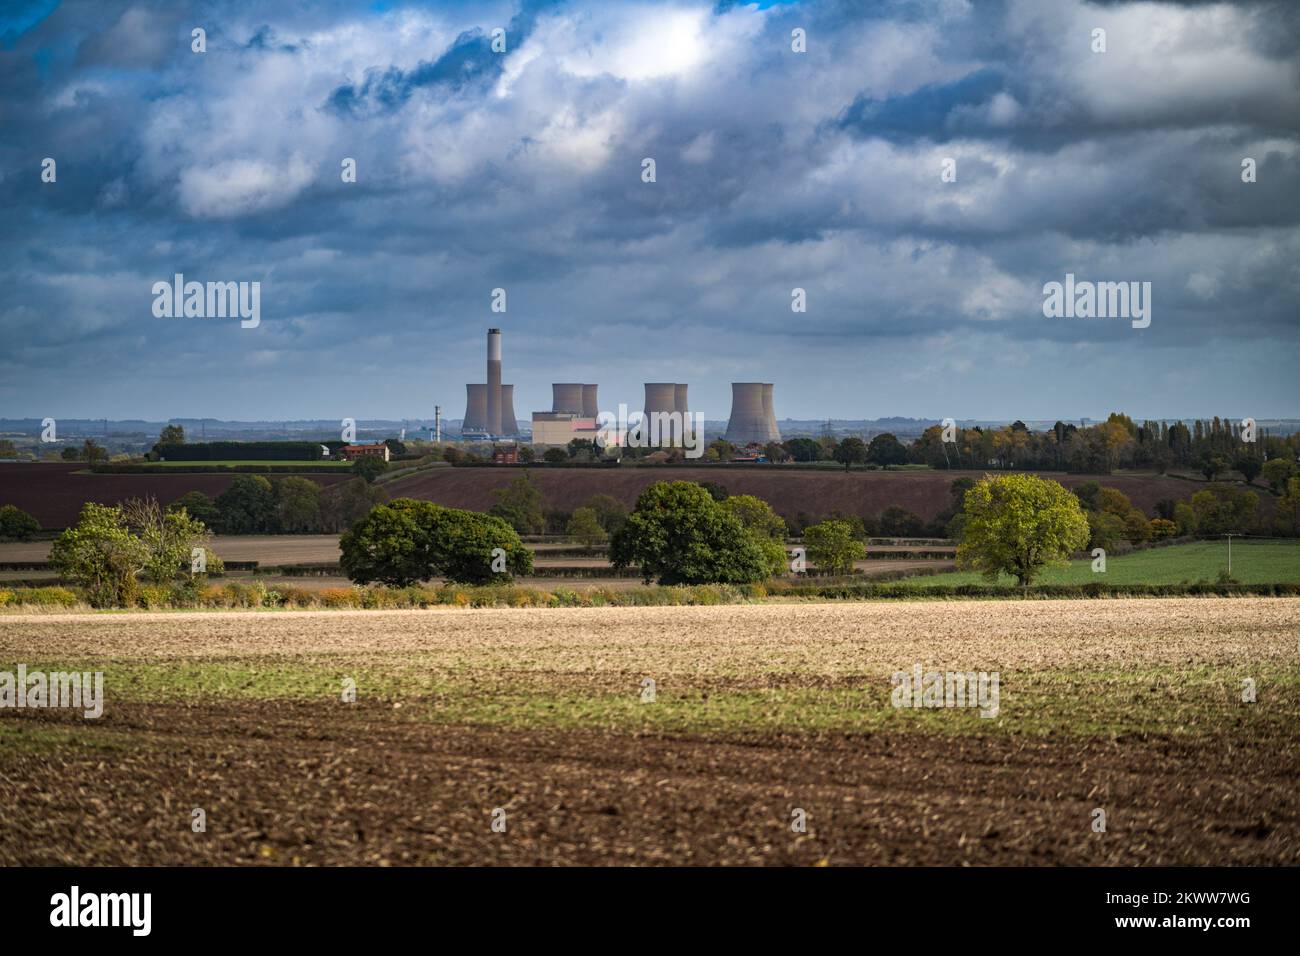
{"x":494,"y":381}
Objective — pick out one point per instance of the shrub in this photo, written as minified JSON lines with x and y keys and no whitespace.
{"x":16,"y":524}
{"x":832,"y":546}
{"x":339,"y":597}
{"x":40,"y":597}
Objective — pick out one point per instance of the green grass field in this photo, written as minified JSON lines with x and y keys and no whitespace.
{"x":1264,"y":561}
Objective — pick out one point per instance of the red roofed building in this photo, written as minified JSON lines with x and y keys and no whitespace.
{"x":353,"y":452}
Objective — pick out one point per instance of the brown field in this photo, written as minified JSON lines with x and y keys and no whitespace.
{"x":53,"y":494}
{"x":1132,"y":706}
{"x":789,"y":492}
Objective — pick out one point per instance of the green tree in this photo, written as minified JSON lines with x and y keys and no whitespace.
{"x":8,"y":449}
{"x":199,"y":506}
{"x":1212,"y":465}
{"x":16,"y":524}
{"x":247,"y":506}
{"x":101,"y":554}
{"x":1277,"y":472}
{"x":519,"y":504}
{"x":345,"y":504}
{"x":369,"y":467}
{"x":1020,"y":524}
{"x":1088,"y":493}
{"x":720,"y":450}
{"x":1105,"y":530}
{"x":1287,"y":518}
{"x":582,"y":449}
{"x":678,"y":534}
{"x":896,"y":522}
{"x":610,"y":512}
{"x":1222,"y":508}
{"x":92,"y":452}
{"x":584,"y":524}
{"x":171,"y":435}
{"x":555,"y":455}
{"x":886,"y":450}
{"x":392,"y":544}
{"x":852,"y":451}
{"x":406,"y":541}
{"x":764,"y":524}
{"x":804,"y":449}
{"x":832,"y":546}
{"x":1249,"y":466}
{"x":297,"y":504}
{"x":169,"y":537}
{"x":716,"y":491}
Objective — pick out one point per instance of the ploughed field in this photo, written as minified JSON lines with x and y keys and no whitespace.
{"x":1128,"y":706}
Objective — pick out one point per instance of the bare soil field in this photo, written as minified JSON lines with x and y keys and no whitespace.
{"x":1130,"y":706}
{"x":53,"y":493}
{"x":789,"y":492}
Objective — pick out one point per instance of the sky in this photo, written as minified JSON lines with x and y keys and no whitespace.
{"x":523,"y":169}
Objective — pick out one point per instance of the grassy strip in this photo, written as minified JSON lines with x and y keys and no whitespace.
{"x":1196,"y":702}
{"x":1253,"y":562}
{"x":257,"y":595}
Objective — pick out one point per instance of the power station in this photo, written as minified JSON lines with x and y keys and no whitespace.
{"x":753,"y":417}
{"x":490,"y":408}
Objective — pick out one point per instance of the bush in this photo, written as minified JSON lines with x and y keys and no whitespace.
{"x":16,"y":524}
{"x":39,"y":597}
{"x":833,"y":547}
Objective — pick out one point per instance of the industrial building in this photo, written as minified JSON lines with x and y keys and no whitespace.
{"x":490,"y":408}
{"x":753,"y":417}
{"x":560,"y":428}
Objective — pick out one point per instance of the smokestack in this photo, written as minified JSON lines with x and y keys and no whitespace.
{"x":679,"y":398}
{"x":475,"y":409}
{"x":566,"y":397}
{"x":494,"y":381}
{"x":509,"y":424}
{"x":590,"y":407}
{"x":753,"y":420}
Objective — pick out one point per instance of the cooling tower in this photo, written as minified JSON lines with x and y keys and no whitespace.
{"x":509,"y":424}
{"x":590,"y":407}
{"x":752,"y":418}
{"x":493,"y":425}
{"x":566,"y":397}
{"x":770,"y":411}
{"x":475,"y":409}
{"x":679,"y":398}
{"x":660,"y":397}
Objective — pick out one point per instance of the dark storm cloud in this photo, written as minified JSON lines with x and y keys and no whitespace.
{"x":775,"y":170}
